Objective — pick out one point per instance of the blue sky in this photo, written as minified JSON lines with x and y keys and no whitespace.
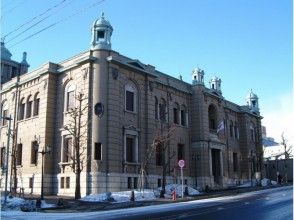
{"x":247,"y":43}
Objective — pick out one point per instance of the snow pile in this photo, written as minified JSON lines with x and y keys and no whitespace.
{"x":123,"y":196}
{"x":267,"y":182}
{"x":13,"y":203}
{"x":178,"y":187}
{"x":46,"y":205}
{"x":264,"y":182}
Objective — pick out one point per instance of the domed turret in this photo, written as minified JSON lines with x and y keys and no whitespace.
{"x":5,"y":53}
{"x":198,"y":77}
{"x":101,"y":34}
{"x":252,"y":102}
{"x":215,"y":84}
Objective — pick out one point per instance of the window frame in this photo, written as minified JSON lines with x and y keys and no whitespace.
{"x":130,"y":133}
{"x":131,"y":89}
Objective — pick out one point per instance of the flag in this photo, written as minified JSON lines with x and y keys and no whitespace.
{"x":220,"y":127}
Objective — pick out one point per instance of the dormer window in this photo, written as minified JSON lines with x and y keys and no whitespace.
{"x":100,"y":35}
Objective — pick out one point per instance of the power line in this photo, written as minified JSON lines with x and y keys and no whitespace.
{"x":32,"y":19}
{"x":38,"y":22}
{"x":60,"y":21}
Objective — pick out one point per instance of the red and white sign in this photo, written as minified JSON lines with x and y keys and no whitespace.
{"x":181,"y":163}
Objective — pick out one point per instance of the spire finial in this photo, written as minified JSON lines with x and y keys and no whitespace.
{"x":102,"y":15}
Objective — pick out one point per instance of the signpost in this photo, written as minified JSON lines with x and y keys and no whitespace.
{"x":181,"y":164}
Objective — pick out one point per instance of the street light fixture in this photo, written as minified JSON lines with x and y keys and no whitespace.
{"x":44,"y":151}
{"x":7,"y":155}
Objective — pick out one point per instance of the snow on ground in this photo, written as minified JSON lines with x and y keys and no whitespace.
{"x":123,"y":196}
{"x":147,"y":194}
{"x":13,"y":203}
{"x":264,"y":182}
{"x":178,"y":187}
{"x":16,"y":203}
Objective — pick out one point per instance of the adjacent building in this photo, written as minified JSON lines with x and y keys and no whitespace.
{"x":126,"y":106}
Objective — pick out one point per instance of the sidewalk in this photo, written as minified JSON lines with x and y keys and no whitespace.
{"x":72,"y":205}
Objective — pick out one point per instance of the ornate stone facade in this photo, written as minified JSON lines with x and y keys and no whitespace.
{"x":128,"y":104}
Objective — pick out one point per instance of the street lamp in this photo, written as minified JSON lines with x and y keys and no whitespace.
{"x":44,"y":151}
{"x":7,"y":155}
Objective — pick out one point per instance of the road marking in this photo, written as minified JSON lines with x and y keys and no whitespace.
{"x":267,"y":198}
{"x":246,"y":203}
{"x":220,"y":208}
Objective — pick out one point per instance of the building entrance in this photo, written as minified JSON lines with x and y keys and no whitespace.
{"x":216,"y":165}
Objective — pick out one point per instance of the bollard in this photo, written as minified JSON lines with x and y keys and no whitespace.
{"x":174,"y":195}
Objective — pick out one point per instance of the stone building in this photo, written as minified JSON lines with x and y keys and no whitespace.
{"x":126,"y":105}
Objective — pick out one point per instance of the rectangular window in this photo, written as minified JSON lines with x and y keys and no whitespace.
{"x":100,"y":34}
{"x":67,"y":182}
{"x":130,"y":101}
{"x":129,"y":182}
{"x":231,"y":131}
{"x":19,"y":154}
{"x":159,"y":183}
{"x":236,"y":131}
{"x":70,"y":100}
{"x":159,"y":155}
{"x":176,"y":116}
{"x":67,"y":149}
{"x":235,"y":162}
{"x":135,"y":182}
{"x":31,"y":182}
{"x":21,"y":111}
{"x":183,"y":118}
{"x":2,"y":157}
{"x":29,"y":109}
{"x":185,"y":181}
{"x":4,"y":115}
{"x":180,"y":152}
{"x":130,"y":148}
{"x":36,"y":106}
{"x":62,"y":182}
{"x":98,"y":151}
{"x":34,"y":152}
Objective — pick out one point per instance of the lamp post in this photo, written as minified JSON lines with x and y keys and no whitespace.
{"x":44,"y":151}
{"x":7,"y":155}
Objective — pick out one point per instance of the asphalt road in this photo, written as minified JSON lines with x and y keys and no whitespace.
{"x":269,"y":204}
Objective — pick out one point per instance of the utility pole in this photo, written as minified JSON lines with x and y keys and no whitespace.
{"x":7,"y":155}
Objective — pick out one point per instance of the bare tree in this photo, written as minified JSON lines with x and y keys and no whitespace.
{"x":77,"y":128}
{"x":160,"y":143}
{"x":287,"y":148}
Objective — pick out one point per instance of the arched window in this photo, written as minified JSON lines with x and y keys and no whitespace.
{"x":69,"y":96}
{"x":29,"y":106}
{"x":21,"y":109}
{"x":131,"y":97}
{"x":212,"y":117}
{"x":36,"y":104}
{"x":4,"y":109}
{"x":183,"y":115}
{"x":162,"y":110}
{"x":176,"y":110}
{"x":156,"y":108}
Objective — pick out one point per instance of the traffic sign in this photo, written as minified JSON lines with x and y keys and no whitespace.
{"x":181,"y":163}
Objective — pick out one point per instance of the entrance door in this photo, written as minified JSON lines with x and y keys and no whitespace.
{"x":216,"y":165}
